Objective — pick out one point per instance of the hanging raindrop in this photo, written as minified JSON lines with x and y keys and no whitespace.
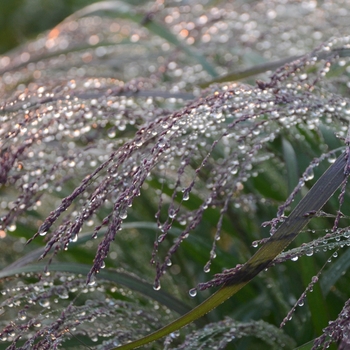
{"x":156,"y":285}
{"x":192,"y":292}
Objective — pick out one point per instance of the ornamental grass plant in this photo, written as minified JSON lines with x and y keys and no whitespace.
{"x":160,"y":160}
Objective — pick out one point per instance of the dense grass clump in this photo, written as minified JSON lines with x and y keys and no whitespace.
{"x":145,"y":164}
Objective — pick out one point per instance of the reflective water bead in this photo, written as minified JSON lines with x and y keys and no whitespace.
{"x":123,"y":214}
{"x":309,"y":174}
{"x":186,"y":195}
{"x":193,"y":292}
{"x":172,"y":213}
{"x":92,"y":281}
{"x":156,"y":285}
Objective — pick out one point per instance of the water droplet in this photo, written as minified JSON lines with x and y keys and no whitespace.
{"x":123,"y":214}
{"x":44,"y":303}
{"x":175,"y":334}
{"x":74,"y":238}
{"x":156,"y":285}
{"x":11,"y":228}
{"x":63,"y":294}
{"x":301,"y":303}
{"x":92,"y":281}
{"x":206,"y":268}
{"x":309,"y":252}
{"x":169,"y":262}
{"x":255,"y":244}
{"x":309,"y":174}
{"x":172,"y":213}
{"x":111,"y":133}
{"x":331,"y":158}
{"x":186,"y":195}
{"x":192,"y":292}
{"x":294,"y":258}
{"x":335,"y":255}
{"x":22,"y":315}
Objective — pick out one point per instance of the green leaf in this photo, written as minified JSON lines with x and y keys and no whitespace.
{"x":335,"y":271}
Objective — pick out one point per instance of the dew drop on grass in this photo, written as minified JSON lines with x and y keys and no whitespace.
{"x":192,"y":292}
{"x":123,"y":214}
{"x":44,"y":303}
{"x":111,"y":133}
{"x":309,"y":175}
{"x":310,"y":252}
{"x":331,"y":158}
{"x":74,"y":238}
{"x":12,"y":228}
{"x":295,"y":258}
{"x":156,"y":285}
{"x":22,"y":315}
{"x":186,"y":195}
{"x":64,"y":294}
{"x":92,"y":281}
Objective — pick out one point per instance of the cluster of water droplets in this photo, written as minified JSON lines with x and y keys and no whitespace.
{"x":337,"y":331}
{"x":58,"y":306}
{"x":219,"y":138}
{"x":217,"y":335}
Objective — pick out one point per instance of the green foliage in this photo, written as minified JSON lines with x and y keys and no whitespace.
{"x":122,"y":131}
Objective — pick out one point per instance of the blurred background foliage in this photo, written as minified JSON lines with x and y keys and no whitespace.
{"x":270,"y":296}
{"x":21,"y":20}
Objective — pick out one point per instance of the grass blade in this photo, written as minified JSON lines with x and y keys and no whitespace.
{"x":336,"y":270}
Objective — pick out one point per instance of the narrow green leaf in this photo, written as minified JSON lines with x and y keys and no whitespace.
{"x":335,"y":271}
{"x":290,"y":160}
{"x":315,"y":199}
{"x":316,"y":303}
{"x":264,"y":67}
{"x":246,"y":73}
